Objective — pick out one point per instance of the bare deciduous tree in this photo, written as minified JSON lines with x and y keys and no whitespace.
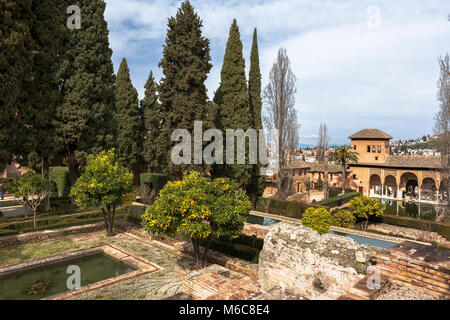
{"x":322,"y":142}
{"x":442,"y":124}
{"x":322,"y":155}
{"x":279,"y":114}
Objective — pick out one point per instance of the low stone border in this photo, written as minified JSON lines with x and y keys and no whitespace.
{"x":22,"y":238}
{"x":142,"y":267}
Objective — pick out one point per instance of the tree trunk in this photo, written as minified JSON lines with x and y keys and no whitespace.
{"x":196,"y":252}
{"x":325,"y":175}
{"x":107,"y":217}
{"x":73,"y":173}
{"x":46,"y":176}
{"x":205,"y":253}
{"x":34,"y":218}
{"x":343,"y":178}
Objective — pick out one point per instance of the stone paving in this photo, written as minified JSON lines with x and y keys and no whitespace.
{"x":154,"y":286}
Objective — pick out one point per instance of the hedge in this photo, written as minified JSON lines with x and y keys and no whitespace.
{"x":292,"y":209}
{"x":334,"y":192}
{"x":49,"y":222}
{"x":135,"y":214}
{"x":442,"y":228}
{"x":156,"y":180}
{"x":60,"y":175}
{"x":246,"y":253}
{"x":333,"y":202}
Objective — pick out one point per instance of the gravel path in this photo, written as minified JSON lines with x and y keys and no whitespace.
{"x":398,"y":292}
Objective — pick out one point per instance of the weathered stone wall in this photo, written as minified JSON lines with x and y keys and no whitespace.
{"x":297,"y":258}
{"x":421,"y":267}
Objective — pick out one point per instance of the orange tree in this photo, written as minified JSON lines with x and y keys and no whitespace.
{"x":364,"y":207}
{"x":106,"y":184}
{"x":198,"y":208}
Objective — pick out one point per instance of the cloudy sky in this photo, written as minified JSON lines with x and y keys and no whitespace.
{"x":359,"y":64}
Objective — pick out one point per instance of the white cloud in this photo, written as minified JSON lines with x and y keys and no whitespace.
{"x":349,"y":76}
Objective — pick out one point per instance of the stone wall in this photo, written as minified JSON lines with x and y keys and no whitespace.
{"x":421,"y":267}
{"x":297,"y":258}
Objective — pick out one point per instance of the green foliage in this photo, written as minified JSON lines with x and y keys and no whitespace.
{"x":153,"y":139}
{"x":255,"y":187}
{"x":442,"y":228}
{"x":104,"y":183}
{"x":60,"y":176}
{"x":320,"y":184}
{"x":135,"y":214}
{"x":54,"y":220}
{"x":16,"y":74}
{"x":28,"y":187}
{"x":198,"y":208}
{"x":232,"y":97}
{"x":343,"y":155}
{"x":292,"y":209}
{"x":245,"y":253}
{"x":318,"y":219}
{"x":182,"y":92}
{"x":85,"y":119}
{"x":343,"y":218}
{"x":151,"y":185}
{"x":333,"y":202}
{"x":127,"y":118}
{"x":365,"y":207}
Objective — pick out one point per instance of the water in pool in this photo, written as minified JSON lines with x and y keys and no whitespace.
{"x":252,"y":219}
{"x":417,"y":210}
{"x":369,"y":241}
{"x":45,"y":281}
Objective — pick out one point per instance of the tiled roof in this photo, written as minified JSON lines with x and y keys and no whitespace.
{"x":425,"y":162}
{"x":298,"y":164}
{"x":319,"y":167}
{"x":370,"y":134}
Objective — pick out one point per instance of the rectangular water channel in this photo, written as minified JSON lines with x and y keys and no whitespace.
{"x":263,"y":221}
{"x":48,"y":280}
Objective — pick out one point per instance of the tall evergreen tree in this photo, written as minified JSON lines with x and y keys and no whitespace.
{"x":232,"y":99}
{"x":47,"y":32}
{"x":182,"y":92}
{"x":153,"y":116}
{"x":127,"y":119}
{"x":255,"y":188}
{"x":16,"y":74}
{"x":85,"y":119}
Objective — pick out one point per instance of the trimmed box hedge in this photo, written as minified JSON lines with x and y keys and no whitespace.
{"x":245,"y":253}
{"x":333,"y":202}
{"x":60,"y":176}
{"x":135,"y":214}
{"x":292,"y":209}
{"x":49,"y":222}
{"x":442,"y":228}
{"x":156,"y":180}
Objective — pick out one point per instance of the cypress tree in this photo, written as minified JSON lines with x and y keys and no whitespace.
{"x":127,"y":119}
{"x":153,"y":117}
{"x":233,"y":105}
{"x":85,"y":119}
{"x":16,"y":74}
{"x":256,"y":186}
{"x":182,"y":92}
{"x":47,"y":31}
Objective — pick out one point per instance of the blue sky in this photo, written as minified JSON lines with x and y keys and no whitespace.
{"x":359,"y":64}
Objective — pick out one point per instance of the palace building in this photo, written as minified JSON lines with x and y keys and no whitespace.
{"x":378,"y":173}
